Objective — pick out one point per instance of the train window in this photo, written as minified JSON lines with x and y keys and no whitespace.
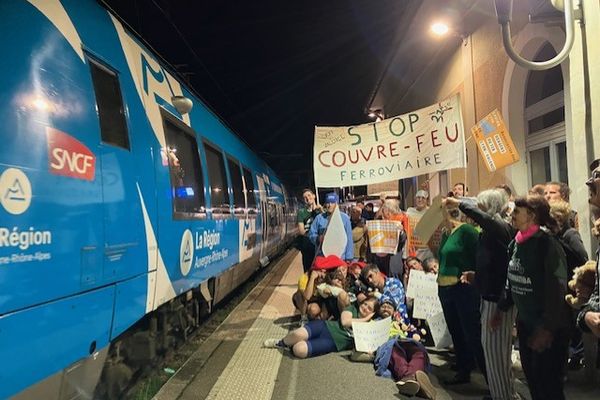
{"x":219,"y":196}
{"x":250,"y":192}
{"x":111,"y":110}
{"x":185,"y":170}
{"x":237,"y":185}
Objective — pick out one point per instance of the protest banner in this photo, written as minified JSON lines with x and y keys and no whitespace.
{"x":439,"y":330}
{"x":383,"y":236}
{"x":494,"y":142}
{"x":431,"y":220}
{"x":424,"y":141}
{"x":368,"y":336}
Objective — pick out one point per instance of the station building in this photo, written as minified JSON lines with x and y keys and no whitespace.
{"x":553,"y":115}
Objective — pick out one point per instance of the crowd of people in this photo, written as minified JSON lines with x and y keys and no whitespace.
{"x":501,"y":262}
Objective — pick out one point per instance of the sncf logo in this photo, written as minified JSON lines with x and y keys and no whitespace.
{"x":69,"y":157}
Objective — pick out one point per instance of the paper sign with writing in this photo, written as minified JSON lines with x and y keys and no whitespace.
{"x":384,"y":235}
{"x":421,"y":283}
{"x":368,"y":336}
{"x":439,"y":330}
{"x":494,"y":142}
{"x":424,"y":141}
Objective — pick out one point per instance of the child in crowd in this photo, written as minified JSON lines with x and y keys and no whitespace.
{"x":322,"y":337}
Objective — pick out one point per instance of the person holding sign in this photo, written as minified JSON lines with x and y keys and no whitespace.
{"x":322,"y":337}
{"x":491,"y":262}
{"x":460,"y":300}
{"x":319,"y":226}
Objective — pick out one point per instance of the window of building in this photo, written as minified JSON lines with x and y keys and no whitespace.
{"x":185,"y":170}
{"x":249,"y":191}
{"x":545,"y":117}
{"x":237,"y":186}
{"x":219,"y":193}
{"x":111,"y":111}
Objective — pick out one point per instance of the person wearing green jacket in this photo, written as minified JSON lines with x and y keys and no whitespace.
{"x":460,"y":300}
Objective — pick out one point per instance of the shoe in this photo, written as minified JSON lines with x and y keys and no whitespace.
{"x":359,"y":356}
{"x":427,"y":390}
{"x":274,"y":344}
{"x":458,"y":379}
{"x":408,"y":386}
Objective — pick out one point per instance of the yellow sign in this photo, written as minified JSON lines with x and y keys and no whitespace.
{"x":494,"y":142}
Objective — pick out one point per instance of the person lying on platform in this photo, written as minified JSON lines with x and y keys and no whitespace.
{"x":322,"y":337}
{"x":403,"y":357}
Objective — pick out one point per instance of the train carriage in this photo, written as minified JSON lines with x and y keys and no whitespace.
{"x":124,"y":213}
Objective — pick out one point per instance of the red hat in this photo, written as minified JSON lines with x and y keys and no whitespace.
{"x":360,"y":264}
{"x":329,"y":262}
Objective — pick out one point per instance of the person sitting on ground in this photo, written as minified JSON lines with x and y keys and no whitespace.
{"x":383,"y":285}
{"x":431,"y":265}
{"x":307,"y":300}
{"x":357,"y":288}
{"x":322,"y":337}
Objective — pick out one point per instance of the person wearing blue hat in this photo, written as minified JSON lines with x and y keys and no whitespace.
{"x":319,"y":227}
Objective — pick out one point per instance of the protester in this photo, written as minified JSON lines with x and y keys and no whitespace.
{"x":589,"y":317}
{"x":422,"y":250}
{"x":367,"y":213}
{"x":431,"y":265}
{"x":359,"y":234}
{"x":322,"y":337}
{"x":304,"y":219}
{"x":491,"y":263}
{"x":391,"y":287}
{"x":394,"y":264}
{"x":536,"y":281}
{"x":569,"y":237}
{"x":319,"y":226}
{"x":537,"y":189}
{"x":459,"y":189}
{"x":556,"y":191}
{"x":460,"y":301}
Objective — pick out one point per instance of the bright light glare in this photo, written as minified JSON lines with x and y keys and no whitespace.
{"x":439,"y":28}
{"x":41,"y":104}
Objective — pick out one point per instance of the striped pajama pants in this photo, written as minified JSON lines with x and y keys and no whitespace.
{"x":497,"y":347}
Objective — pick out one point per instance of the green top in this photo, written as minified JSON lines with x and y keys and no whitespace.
{"x":341,"y":336}
{"x":306,"y":217}
{"x":457,"y":251}
{"x":537,"y":277}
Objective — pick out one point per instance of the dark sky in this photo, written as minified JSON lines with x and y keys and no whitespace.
{"x":273,"y":70}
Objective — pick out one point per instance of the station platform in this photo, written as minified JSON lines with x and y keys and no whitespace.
{"x":232,"y":363}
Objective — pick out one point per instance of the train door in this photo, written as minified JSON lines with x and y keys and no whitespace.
{"x":264,"y":216}
{"x":122,"y":214}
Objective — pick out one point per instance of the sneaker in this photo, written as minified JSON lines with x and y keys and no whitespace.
{"x":408,"y":386}
{"x":427,"y":390}
{"x":274,"y":344}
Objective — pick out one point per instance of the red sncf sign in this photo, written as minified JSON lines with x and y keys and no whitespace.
{"x":67,"y":156}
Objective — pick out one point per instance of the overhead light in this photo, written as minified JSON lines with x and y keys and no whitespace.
{"x":440,"y":28}
{"x":182,"y":104}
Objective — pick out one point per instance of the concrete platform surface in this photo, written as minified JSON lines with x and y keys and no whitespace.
{"x":232,"y":364}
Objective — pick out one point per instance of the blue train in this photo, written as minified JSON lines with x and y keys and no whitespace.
{"x":125,"y":215}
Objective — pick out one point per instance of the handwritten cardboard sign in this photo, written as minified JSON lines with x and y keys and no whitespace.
{"x":368,"y":336}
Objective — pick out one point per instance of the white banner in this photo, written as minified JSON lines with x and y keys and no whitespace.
{"x":424,"y":141}
{"x":368,"y":336}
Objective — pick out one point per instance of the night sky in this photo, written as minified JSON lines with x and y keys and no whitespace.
{"x":274,"y":69}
